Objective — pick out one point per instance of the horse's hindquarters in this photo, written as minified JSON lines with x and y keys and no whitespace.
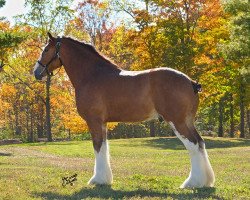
{"x":173,"y":96}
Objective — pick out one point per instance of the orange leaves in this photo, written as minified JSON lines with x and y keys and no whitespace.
{"x":142,"y":17}
{"x":8,"y":91}
{"x":210,"y":14}
{"x":64,"y":109}
{"x":210,"y":32}
{"x":4,"y":26}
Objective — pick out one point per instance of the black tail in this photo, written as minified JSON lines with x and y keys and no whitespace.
{"x":197,"y":87}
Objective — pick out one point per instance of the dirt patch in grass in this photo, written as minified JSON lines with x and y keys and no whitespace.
{"x":69,"y":163}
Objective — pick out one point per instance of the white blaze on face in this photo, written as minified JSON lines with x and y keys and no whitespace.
{"x":201,"y":174}
{"x":102,"y":170}
{"x":37,"y":68}
{"x":37,"y":65}
{"x":39,"y":71}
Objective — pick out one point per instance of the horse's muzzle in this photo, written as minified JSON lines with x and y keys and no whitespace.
{"x":38,"y":71}
{"x":38,"y":75}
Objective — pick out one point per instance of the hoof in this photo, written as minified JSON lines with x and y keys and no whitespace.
{"x":99,"y":181}
{"x":189,"y":183}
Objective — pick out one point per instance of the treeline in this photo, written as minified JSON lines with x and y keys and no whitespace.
{"x":207,"y":40}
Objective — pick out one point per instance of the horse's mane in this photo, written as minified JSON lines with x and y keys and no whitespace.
{"x":91,"y":49}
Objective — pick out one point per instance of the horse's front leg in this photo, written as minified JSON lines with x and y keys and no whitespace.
{"x":102,"y":170}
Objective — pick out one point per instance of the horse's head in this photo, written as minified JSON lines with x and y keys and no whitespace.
{"x":49,"y":59}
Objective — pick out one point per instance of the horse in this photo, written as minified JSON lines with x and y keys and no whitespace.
{"x":106,"y":93}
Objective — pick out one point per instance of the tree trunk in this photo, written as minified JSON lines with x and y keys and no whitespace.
{"x":152,"y":129}
{"x":17,"y":127}
{"x":248,"y":121}
{"x":27,"y":122}
{"x":69,"y":134}
{"x":231,"y":116}
{"x":39,"y":130}
{"x":220,"y":129}
{"x":31,"y":124}
{"x":48,"y":122}
{"x":242,"y":111}
{"x":242,"y":122}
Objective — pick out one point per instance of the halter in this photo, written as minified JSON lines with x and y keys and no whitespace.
{"x":57,"y":55}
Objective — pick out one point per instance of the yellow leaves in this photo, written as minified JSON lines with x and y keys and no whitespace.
{"x":74,"y":29}
{"x":4,"y":106}
{"x":238,"y":133}
{"x":111,"y":125}
{"x":77,"y":125}
{"x":74,"y":122}
{"x":8,"y":91}
{"x":203,"y":59}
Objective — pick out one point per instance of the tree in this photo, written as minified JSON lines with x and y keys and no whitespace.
{"x":26,"y":99}
{"x":94,"y":16}
{"x":46,"y":16}
{"x":75,"y":28}
{"x":9,"y":38}
{"x":237,"y":51}
{"x":2,"y":3}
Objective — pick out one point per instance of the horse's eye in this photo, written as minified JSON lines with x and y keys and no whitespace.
{"x":46,"y":50}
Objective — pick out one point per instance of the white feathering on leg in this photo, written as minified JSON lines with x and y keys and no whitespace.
{"x":201,"y":174}
{"x":102,"y":170}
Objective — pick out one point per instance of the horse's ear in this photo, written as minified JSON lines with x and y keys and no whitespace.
{"x":51,"y":37}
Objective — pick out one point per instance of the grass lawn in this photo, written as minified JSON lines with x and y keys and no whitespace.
{"x":149,"y":168}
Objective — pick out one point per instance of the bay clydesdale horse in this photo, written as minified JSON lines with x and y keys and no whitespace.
{"x":106,"y":93}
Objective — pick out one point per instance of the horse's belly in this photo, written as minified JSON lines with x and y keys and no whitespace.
{"x":130,"y":99}
{"x":133,"y":116}
{"x":131,"y":109}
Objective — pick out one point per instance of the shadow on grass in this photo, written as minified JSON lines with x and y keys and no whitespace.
{"x":176,"y":144}
{"x":5,"y":154}
{"x":106,"y":192}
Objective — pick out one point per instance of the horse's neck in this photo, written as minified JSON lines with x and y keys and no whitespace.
{"x":79,"y":64}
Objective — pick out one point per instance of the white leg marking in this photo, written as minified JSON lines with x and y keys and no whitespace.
{"x":202,"y":174}
{"x":102,"y":170}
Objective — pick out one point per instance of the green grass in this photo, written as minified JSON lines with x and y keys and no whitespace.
{"x":149,"y":168}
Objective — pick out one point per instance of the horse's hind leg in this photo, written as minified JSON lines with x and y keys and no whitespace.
{"x":201,"y":174}
{"x":102,"y":170}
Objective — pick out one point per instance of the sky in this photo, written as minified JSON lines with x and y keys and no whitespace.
{"x":16,"y":7}
{"x":12,"y":8}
